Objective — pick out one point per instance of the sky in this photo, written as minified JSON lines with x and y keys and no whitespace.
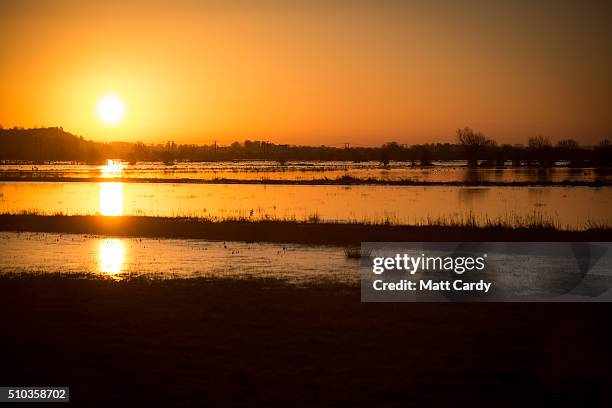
{"x":309,"y":72}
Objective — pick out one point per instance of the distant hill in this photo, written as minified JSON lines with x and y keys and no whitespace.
{"x":54,"y":144}
{"x":40,"y":144}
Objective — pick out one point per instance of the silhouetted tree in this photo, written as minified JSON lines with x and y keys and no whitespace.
{"x":169,"y":153}
{"x":603,"y":154}
{"x":475,"y":144}
{"x":421,"y":153}
{"x":384,"y":157}
{"x":569,"y":149}
{"x":568,"y":144}
{"x":540,"y":148}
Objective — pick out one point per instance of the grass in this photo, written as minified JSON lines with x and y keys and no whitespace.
{"x":228,"y":342}
{"x":313,"y":218}
{"x":596,"y":225}
{"x":534,"y":220}
{"x":306,"y":232}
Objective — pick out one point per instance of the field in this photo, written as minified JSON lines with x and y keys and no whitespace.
{"x":242,"y":342}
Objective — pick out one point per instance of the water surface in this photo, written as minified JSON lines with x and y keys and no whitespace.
{"x":569,"y":207}
{"x":302,"y":171}
{"x":170,"y":258}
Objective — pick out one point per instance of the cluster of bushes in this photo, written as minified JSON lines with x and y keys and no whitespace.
{"x":539,"y":151}
{"x":54,"y":144}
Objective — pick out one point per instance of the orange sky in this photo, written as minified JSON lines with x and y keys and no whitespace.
{"x":310,"y":73}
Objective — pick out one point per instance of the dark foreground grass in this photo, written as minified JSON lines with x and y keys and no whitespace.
{"x":267,"y":343}
{"x":290,"y":231}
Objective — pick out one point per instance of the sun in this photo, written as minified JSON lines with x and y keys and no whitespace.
{"x":111,"y":109}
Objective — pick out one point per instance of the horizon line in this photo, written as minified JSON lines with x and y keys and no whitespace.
{"x":227,"y":143}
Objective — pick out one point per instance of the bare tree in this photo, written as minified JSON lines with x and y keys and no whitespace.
{"x":569,"y":144}
{"x":540,"y":148}
{"x":569,"y":149}
{"x":474,"y":143}
{"x":539,"y":143}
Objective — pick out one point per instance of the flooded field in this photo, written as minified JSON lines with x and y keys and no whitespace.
{"x":120,"y":258}
{"x":568,"y":207}
{"x":170,"y":258}
{"x":441,"y":172}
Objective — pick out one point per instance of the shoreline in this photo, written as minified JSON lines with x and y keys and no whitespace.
{"x":286,"y":231}
{"x":343,"y":181}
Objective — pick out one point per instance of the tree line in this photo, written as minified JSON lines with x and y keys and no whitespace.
{"x":54,"y":144}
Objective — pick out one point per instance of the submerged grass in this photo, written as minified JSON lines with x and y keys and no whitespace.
{"x":303,"y":232}
{"x":534,"y":220}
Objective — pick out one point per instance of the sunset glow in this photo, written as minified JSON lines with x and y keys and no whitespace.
{"x":321,"y":203}
{"x":307,"y":72}
{"x":111,"y":109}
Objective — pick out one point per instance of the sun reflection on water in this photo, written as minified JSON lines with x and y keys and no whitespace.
{"x":111,"y":256}
{"x":112,"y":168}
{"x":111,"y":199}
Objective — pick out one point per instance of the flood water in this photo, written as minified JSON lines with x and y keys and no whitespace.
{"x":171,"y":258}
{"x":121,"y":258}
{"x":301,"y":171}
{"x":569,"y":207}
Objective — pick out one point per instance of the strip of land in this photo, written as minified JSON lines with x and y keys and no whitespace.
{"x":341,"y":181}
{"x":286,"y":231}
{"x":253,"y":342}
